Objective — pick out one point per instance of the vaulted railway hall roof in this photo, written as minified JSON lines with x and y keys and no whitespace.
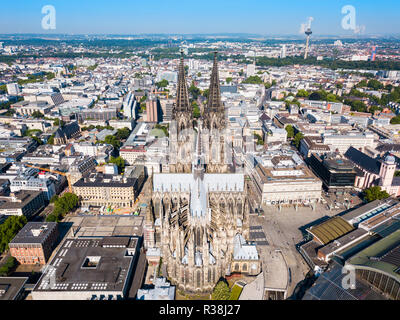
{"x":330,"y":230}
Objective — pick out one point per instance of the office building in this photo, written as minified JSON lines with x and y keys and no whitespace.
{"x":23,"y":203}
{"x":287,"y":185}
{"x":342,"y":142}
{"x":153,"y":109}
{"x":12,"y":288}
{"x":93,"y":268}
{"x":100,"y":189}
{"x":34,"y":242}
{"x":13,"y":89}
{"x":337,"y":174}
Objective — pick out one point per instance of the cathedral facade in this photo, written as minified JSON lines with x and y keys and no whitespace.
{"x":199,"y":214}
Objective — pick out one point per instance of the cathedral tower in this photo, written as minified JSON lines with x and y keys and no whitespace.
{"x":214,"y":120}
{"x":182,"y":112}
{"x":214,"y":112}
{"x":183,"y":121}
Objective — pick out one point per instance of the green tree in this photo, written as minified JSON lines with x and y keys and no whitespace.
{"x":38,"y":140}
{"x":372,"y":109}
{"x":221,"y":291}
{"x":290,"y":131}
{"x":253,"y":80}
{"x":267,"y":85}
{"x":297,"y":139}
{"x":9,"y":229}
{"x":37,"y":115}
{"x":196,"y":110}
{"x":63,"y":205}
{"x":113,"y":140}
{"x":375,"y":84}
{"x":92,"y":68}
{"x":123,"y":133}
{"x":194,"y":91}
{"x":362,"y":84}
{"x":395,"y":120}
{"x":302,"y":93}
{"x":8,"y":267}
{"x":162,"y":84}
{"x":67,"y":202}
{"x":375,"y":193}
{"x":119,"y":162}
{"x":228,"y":80}
{"x":259,"y":139}
{"x":318,"y":95}
{"x":54,"y":198}
{"x":332,"y":97}
{"x":58,"y":122}
{"x":50,"y":75}
{"x":52,"y":218}
{"x":51,"y":140}
{"x":357,"y":105}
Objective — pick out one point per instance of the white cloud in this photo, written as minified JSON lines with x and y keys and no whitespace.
{"x":359,"y":29}
{"x":306,"y":25}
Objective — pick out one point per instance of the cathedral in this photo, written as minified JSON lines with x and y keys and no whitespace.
{"x":199,"y":213}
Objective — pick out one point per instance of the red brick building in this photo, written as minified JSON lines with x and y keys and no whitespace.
{"x":34,"y":243}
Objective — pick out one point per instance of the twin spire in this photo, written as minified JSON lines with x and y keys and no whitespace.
{"x":182,"y":97}
{"x":214,"y":96}
{"x":214,"y":104}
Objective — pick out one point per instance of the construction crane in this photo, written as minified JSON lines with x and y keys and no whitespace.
{"x":54,"y":171}
{"x":162,"y":92}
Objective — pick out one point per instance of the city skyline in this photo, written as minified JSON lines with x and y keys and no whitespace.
{"x":207,"y":151}
{"x":177,"y":17}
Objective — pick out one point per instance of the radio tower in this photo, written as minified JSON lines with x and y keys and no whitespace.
{"x":308,"y":33}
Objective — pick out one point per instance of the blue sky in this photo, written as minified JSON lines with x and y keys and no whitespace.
{"x":202,"y":16}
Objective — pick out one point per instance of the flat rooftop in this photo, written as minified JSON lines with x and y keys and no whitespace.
{"x":21,"y":199}
{"x":96,"y":264}
{"x":299,"y":173}
{"x":99,"y":180}
{"x":275,"y":271}
{"x":343,"y":241}
{"x":34,"y":232}
{"x":11,"y":286}
{"x":105,"y":226}
{"x":363,"y":211}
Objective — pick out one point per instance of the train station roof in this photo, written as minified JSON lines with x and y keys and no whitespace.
{"x":330,"y":230}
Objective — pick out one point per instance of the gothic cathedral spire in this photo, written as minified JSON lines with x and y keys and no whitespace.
{"x":182,"y":115}
{"x":182,"y":112}
{"x":214,"y":112}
